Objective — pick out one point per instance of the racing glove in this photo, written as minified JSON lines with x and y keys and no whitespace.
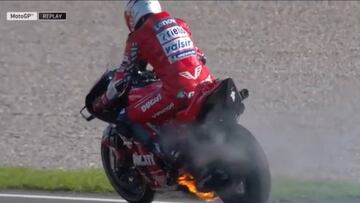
{"x":115,"y":90}
{"x":201,"y":56}
{"x":101,"y":103}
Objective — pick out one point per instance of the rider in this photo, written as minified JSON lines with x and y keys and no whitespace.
{"x":164,"y":42}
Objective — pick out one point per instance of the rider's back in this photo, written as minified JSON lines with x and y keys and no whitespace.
{"x":165,"y":43}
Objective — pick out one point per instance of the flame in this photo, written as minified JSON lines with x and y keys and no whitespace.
{"x":188,"y":181}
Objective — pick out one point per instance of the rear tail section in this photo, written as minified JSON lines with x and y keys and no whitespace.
{"x":225,"y":102}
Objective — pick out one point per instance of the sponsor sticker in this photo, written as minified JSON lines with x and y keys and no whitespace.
{"x":178,"y":45}
{"x":171,"y":33}
{"x":174,"y":40}
{"x":190,"y":76}
{"x":181,"y":55}
{"x":143,"y":160}
{"x":164,"y":110}
{"x":165,"y":22}
{"x":150,"y":103}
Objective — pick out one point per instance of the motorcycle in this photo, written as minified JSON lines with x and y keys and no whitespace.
{"x":218,"y":156}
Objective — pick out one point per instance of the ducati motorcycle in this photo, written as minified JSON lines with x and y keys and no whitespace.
{"x":216,"y":157}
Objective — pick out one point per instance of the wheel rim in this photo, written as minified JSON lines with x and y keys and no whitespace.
{"x":127,"y":180}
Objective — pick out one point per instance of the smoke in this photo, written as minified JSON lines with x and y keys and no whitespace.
{"x":221,"y":155}
{"x":206,"y":143}
{"x":315,"y":144}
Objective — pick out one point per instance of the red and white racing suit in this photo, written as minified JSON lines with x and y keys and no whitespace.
{"x":165,"y":43}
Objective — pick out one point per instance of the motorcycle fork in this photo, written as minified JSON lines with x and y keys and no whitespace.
{"x":117,"y":147}
{"x":150,"y":169}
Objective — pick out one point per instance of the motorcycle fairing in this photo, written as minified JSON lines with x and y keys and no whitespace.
{"x":137,"y":93}
{"x":141,"y":84}
{"x":224,"y":100}
{"x":202,"y":91}
{"x":222,"y":96}
{"x":97,"y":90}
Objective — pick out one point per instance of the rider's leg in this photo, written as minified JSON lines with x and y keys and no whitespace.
{"x":156,"y":108}
{"x":136,"y":130}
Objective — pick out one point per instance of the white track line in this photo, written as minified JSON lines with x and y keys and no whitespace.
{"x":67,"y":198}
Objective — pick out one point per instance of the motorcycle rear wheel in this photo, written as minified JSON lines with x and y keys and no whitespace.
{"x":251,"y":179}
{"x":126,"y":181}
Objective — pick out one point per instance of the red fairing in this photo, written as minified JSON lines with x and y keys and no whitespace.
{"x":136,"y":94}
{"x":189,"y":115}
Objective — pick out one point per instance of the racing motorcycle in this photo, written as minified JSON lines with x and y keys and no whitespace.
{"x":211,"y":154}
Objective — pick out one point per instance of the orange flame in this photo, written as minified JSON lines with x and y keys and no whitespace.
{"x":189,"y":182}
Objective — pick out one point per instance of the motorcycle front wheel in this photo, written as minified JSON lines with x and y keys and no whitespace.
{"x":124,"y":178}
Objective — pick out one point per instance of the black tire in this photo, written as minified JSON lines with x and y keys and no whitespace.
{"x":250,"y":178}
{"x":146,"y":194}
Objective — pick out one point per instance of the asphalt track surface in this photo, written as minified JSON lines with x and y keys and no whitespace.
{"x":74,"y":198}
{"x":40,"y":197}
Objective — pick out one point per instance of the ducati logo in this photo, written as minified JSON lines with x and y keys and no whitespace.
{"x":143,"y":160}
{"x":188,"y":75}
{"x":150,"y":103}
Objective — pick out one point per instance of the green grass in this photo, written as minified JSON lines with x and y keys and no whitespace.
{"x":291,"y":188}
{"x":94,"y":180}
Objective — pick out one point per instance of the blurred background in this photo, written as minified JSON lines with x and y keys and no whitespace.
{"x":300,"y":61}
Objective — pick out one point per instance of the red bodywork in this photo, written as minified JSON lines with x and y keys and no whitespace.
{"x":155,"y":175}
{"x":188,"y":115}
{"x":185,"y":116}
{"x":136,"y":94}
{"x":203,"y":90}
